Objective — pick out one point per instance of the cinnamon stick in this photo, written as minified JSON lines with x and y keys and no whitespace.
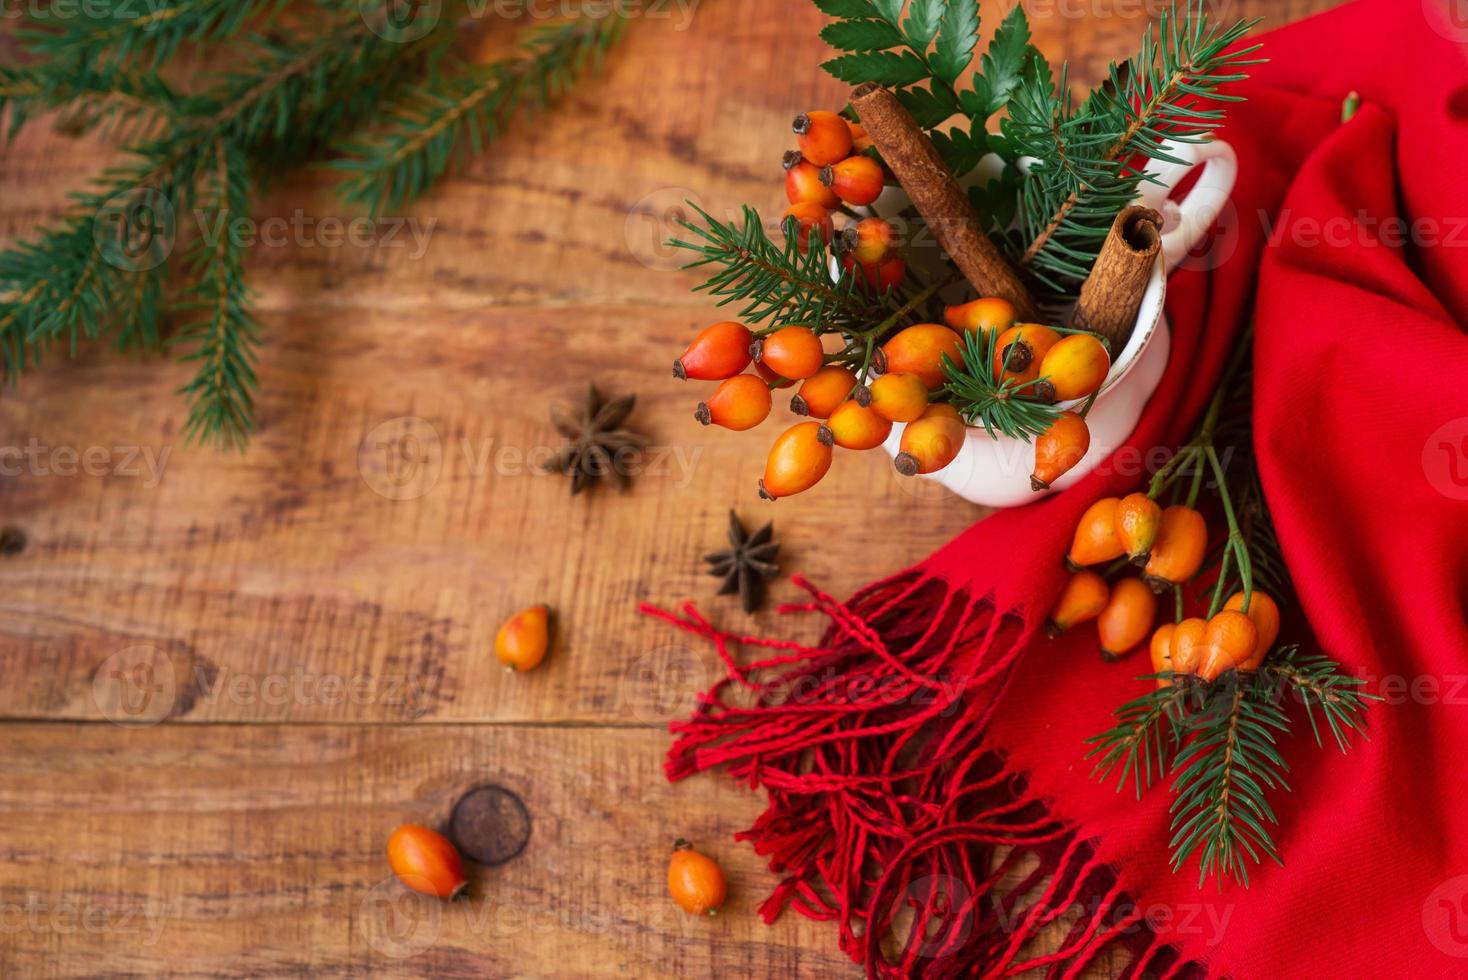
{"x":1112,"y":294}
{"x":938,"y":198}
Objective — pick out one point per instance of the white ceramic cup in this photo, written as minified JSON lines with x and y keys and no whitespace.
{"x":994,"y":470}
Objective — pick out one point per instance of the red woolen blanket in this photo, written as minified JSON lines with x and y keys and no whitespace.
{"x":926,"y":759}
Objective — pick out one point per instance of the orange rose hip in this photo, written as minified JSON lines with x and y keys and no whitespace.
{"x":803,"y":183}
{"x":1127,"y":619}
{"x":1058,"y":449}
{"x":739,"y":403}
{"x":522,"y":642}
{"x":856,"y":180}
{"x":825,"y":138}
{"x":791,"y":352}
{"x":859,"y":427}
{"x":798,"y":460}
{"x":899,"y":397}
{"x":932,"y":442}
{"x":718,"y":352}
{"x":1083,"y":599}
{"x":920,"y":350}
{"x":823,"y":391}
{"x":695,"y":881}
{"x":425,"y":861}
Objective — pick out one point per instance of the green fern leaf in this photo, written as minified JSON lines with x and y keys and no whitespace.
{"x":861,"y":35}
{"x":883,"y":67}
{"x":957,"y":35}
{"x":923,"y":18}
{"x":846,"y":8}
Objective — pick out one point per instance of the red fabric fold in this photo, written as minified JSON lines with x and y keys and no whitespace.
{"x":1361,"y":391}
{"x":966,"y":740}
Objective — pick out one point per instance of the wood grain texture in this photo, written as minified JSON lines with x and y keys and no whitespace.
{"x":315,"y":633}
{"x":259,"y":851}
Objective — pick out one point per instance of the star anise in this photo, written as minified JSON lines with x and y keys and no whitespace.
{"x":748,"y":562}
{"x":600,"y":447}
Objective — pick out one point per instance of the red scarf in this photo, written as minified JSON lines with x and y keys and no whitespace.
{"x":927,"y":758}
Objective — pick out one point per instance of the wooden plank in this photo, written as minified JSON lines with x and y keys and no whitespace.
{"x":285,"y":587}
{"x":209,"y":851}
{"x":540,"y":272}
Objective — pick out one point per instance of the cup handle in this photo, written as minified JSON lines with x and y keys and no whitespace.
{"x":1196,"y":212}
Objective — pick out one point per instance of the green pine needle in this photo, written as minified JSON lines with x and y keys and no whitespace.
{"x":1227,"y":763}
{"x":777,"y":283}
{"x":1001,"y":407}
{"x":1322,"y":689}
{"x":224,"y":339}
{"x":1146,"y":729}
{"x":119,"y":32}
{"x":102,"y":267}
{"x":1220,"y":741}
{"x":1083,"y":163}
{"x":465,"y":108}
{"x":1087,"y":165}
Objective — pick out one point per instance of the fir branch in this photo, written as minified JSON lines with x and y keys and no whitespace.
{"x":1001,"y":407}
{"x":1146,"y":728}
{"x":1224,"y":769}
{"x":221,"y":393}
{"x":467,"y":107}
{"x":119,"y":32}
{"x":1321,"y":686}
{"x":127,"y":104}
{"x":99,"y":268}
{"x":776,"y":283}
{"x":1091,"y":158}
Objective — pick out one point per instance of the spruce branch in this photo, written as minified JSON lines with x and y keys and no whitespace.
{"x":101,"y":266}
{"x":126,"y":104}
{"x":224,"y":339}
{"x":466,"y":108}
{"x":1003,"y":407}
{"x":1146,"y":729}
{"x":119,"y":32}
{"x":1223,"y":770}
{"x":1321,"y":686}
{"x":1090,"y":160}
{"x":777,"y":282}
{"x":1226,"y":761}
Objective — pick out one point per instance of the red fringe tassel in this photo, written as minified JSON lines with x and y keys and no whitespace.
{"x":887,"y":812}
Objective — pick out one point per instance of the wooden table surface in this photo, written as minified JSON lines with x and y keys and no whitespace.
{"x":228,"y":677}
